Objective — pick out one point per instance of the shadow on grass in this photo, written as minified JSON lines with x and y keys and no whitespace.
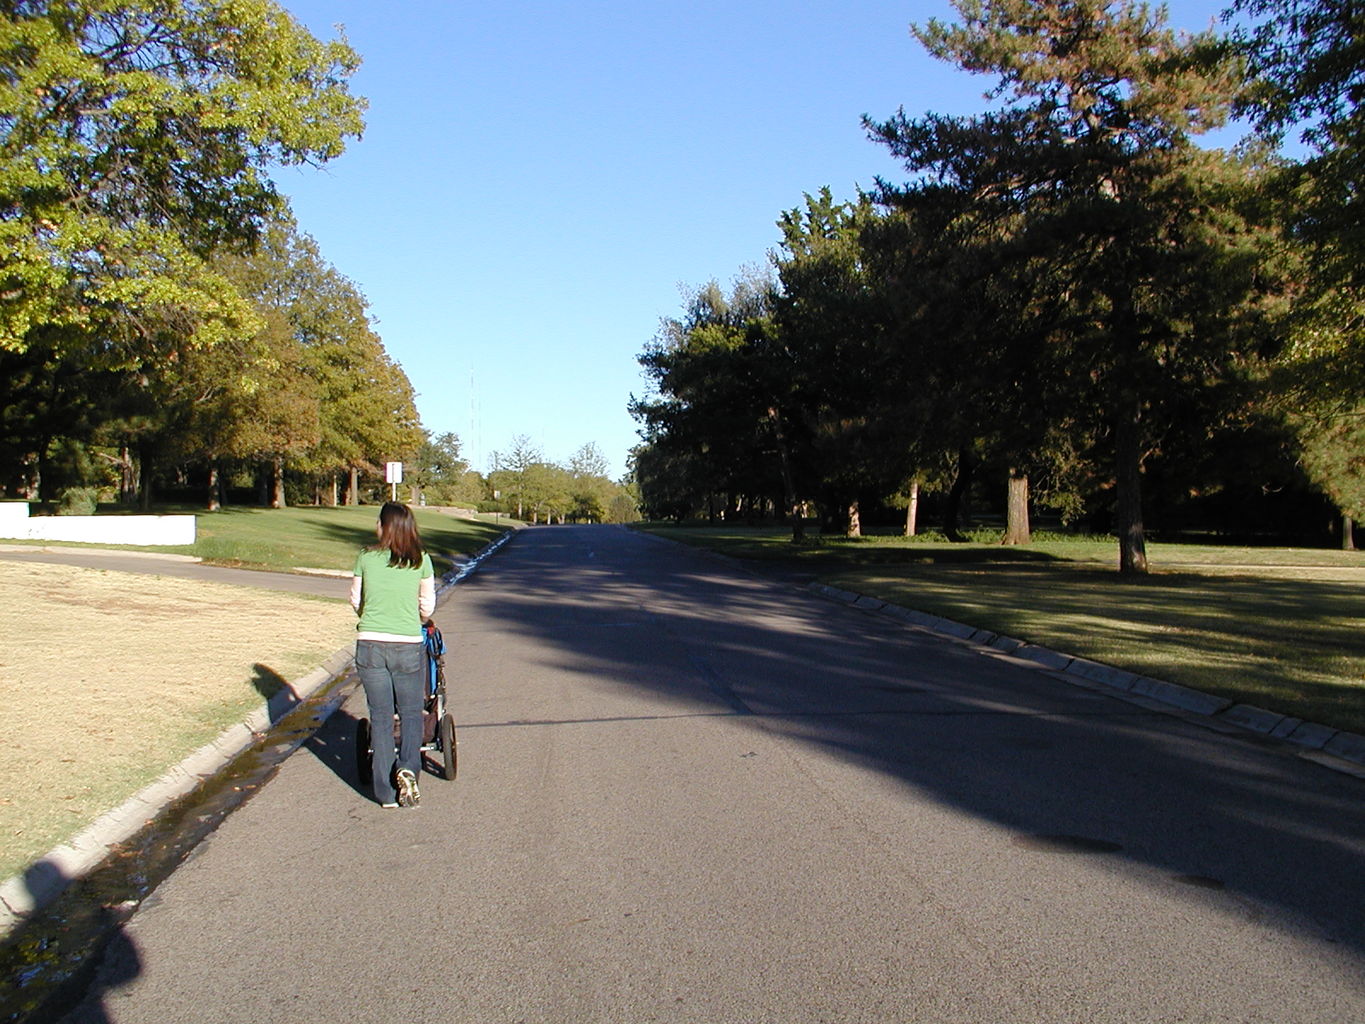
{"x":325,"y":536}
{"x":835,"y":554}
{"x":444,"y":535}
{"x":832,"y":553}
{"x":267,"y":682}
{"x":1291,"y":645}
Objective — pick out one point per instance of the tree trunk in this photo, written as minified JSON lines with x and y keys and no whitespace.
{"x":353,"y":487}
{"x":127,"y":476}
{"x":1124,"y":332}
{"x":47,"y":493}
{"x":1348,"y":540}
{"x":334,"y":490}
{"x":793,"y":507}
{"x":277,"y":482}
{"x":912,"y":509}
{"x":144,"y":478}
{"x":953,"y":513}
{"x":854,"y":528}
{"x":1016,"y":510}
{"x":213,"y":504}
{"x":1128,"y":479}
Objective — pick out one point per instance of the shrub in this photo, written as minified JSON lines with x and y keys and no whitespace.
{"x":78,"y":501}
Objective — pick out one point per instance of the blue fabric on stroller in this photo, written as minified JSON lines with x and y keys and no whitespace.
{"x":435,"y":646}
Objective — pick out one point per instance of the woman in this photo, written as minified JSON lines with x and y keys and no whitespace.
{"x":394,"y":592}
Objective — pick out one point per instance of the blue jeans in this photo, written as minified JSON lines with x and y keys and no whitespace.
{"x":394,"y":677}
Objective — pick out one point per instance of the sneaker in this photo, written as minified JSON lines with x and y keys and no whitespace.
{"x":407,"y":789}
{"x":388,"y":806}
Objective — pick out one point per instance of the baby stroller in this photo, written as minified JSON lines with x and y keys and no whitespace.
{"x":438,"y":725}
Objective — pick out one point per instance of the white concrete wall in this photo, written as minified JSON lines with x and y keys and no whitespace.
{"x":15,"y":522}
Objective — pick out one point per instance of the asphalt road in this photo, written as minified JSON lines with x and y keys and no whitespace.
{"x":688,"y":794}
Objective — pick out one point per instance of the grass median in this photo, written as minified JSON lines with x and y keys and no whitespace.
{"x":108,"y":678}
{"x":1280,"y":628}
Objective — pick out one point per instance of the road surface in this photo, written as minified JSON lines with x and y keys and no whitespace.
{"x":689,"y":794}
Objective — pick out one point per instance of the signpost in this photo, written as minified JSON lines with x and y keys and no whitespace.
{"x":393,"y":476}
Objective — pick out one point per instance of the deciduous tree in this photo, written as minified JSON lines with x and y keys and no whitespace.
{"x":714,"y":424}
{"x":135,"y":139}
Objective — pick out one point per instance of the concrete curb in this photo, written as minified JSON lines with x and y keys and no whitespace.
{"x":1334,"y":748}
{"x":45,"y":879}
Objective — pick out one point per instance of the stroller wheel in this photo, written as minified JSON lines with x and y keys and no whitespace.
{"x":364,"y":752}
{"x":448,"y":745}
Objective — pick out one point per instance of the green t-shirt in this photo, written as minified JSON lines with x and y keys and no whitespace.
{"x":388,"y":594}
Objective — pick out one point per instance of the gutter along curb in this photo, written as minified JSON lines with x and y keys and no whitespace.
{"x":42,"y":882}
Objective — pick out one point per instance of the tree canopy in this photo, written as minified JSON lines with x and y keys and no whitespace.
{"x":155,"y":294}
{"x":135,"y":140}
{"x":1066,"y":288}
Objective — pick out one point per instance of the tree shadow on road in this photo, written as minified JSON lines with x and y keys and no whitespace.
{"x":1066,"y":769}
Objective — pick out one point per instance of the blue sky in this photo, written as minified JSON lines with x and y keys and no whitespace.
{"x":539,"y":180}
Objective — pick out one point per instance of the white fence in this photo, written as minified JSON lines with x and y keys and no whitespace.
{"x":15,"y":522}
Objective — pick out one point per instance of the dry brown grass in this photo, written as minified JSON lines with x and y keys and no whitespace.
{"x":109,"y":678}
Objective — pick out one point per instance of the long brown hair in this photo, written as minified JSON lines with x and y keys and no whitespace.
{"x":398,"y":535}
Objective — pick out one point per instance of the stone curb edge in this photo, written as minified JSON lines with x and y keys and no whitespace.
{"x":34,"y":888}
{"x":1320,"y":743}
{"x":48,"y":877}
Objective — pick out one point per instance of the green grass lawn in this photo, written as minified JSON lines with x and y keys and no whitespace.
{"x":1281,"y":628}
{"x":322,"y":538}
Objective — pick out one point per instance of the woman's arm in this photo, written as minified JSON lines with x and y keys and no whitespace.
{"x":355,"y":593}
{"x":426,"y":598}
